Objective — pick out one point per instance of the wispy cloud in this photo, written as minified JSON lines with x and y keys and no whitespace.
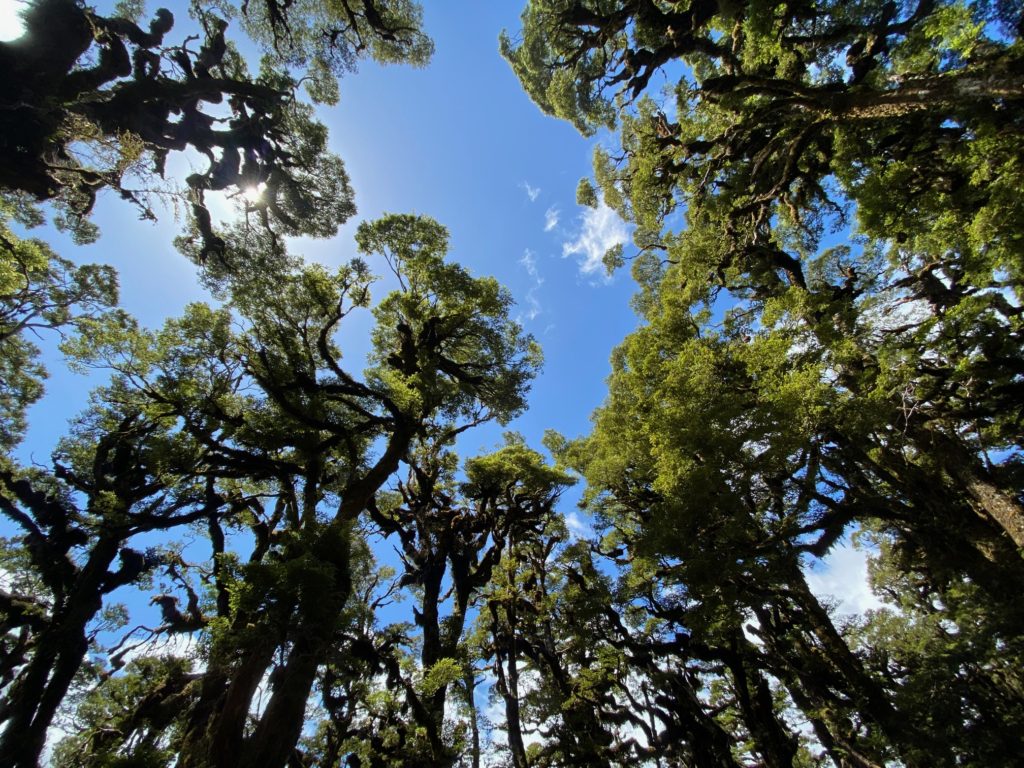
{"x":578,"y":527}
{"x":601,"y":229}
{"x":529,"y":262}
{"x":533,"y":305}
{"x":531,"y":192}
{"x":551,"y":218}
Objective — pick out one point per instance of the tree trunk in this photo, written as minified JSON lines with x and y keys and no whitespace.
{"x":872,"y":701}
{"x":508,"y":684}
{"x":808,"y":687}
{"x":280,"y":726}
{"x":965,"y":467}
{"x":470,"y":683}
{"x":215,"y":732}
{"x":772,"y":740}
{"x":36,"y":694}
{"x":34,"y":703}
{"x":1001,"y":82}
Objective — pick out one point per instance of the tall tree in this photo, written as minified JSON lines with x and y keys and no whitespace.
{"x":272,"y":404}
{"x":96,"y":102}
{"x":123,"y":474}
{"x":787,"y":384}
{"x":772,"y":138}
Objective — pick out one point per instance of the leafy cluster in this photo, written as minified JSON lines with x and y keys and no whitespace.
{"x":94,"y":102}
{"x":827,"y":220}
{"x":831,"y":311}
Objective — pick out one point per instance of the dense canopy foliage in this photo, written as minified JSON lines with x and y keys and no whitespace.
{"x":830,"y":284}
{"x":831,"y":338}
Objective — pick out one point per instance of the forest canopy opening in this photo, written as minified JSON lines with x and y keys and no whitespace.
{"x":266,"y":541}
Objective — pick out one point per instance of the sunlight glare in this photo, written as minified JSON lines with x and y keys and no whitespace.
{"x":11,"y":25}
{"x":254,"y":194}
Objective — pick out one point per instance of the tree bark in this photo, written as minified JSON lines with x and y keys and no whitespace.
{"x":36,"y":694}
{"x":991,"y":501}
{"x":870,"y":698}
{"x":772,"y":740}
{"x":508,"y":684}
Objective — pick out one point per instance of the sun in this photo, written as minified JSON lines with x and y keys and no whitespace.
{"x":254,"y":194}
{"x":11,"y":25}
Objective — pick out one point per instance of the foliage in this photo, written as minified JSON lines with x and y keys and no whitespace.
{"x":96,"y":102}
{"x":830,"y":340}
{"x":830,"y":343}
{"x":248,"y":411}
{"x":40,"y":291}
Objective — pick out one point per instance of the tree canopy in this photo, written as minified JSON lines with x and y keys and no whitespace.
{"x":831,"y":323}
{"x":94,"y":102}
{"x":827,"y":254}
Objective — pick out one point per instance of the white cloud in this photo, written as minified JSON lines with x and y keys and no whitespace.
{"x":534,"y":308}
{"x":601,"y":230}
{"x":531,"y":192}
{"x":578,"y":527}
{"x":843,"y":576}
{"x":529,"y":262}
{"x":551,"y":218}
{"x":533,"y":304}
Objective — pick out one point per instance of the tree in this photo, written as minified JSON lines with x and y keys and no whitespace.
{"x":126,"y":720}
{"x":40,"y":291}
{"x":786,"y":384}
{"x":958,"y":682}
{"x":451,"y":537}
{"x":272,"y":406}
{"x":773,"y":138}
{"x":124,"y":473}
{"x":94,"y":100}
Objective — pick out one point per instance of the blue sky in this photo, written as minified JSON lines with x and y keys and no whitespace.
{"x":460,"y":141}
